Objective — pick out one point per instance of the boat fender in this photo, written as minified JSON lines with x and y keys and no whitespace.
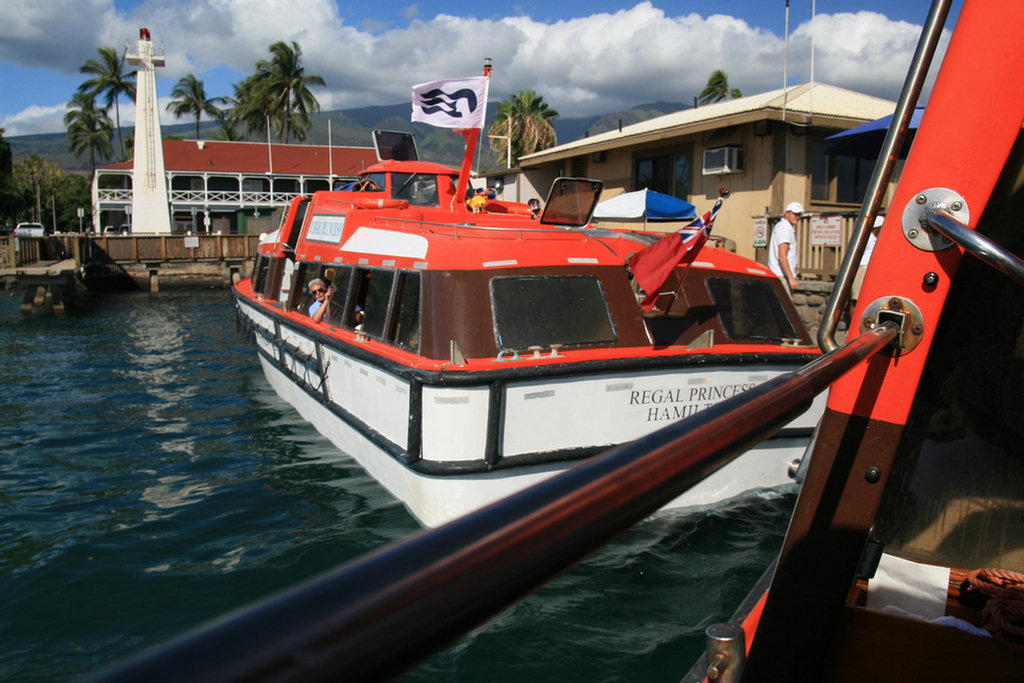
{"x":502,"y":357}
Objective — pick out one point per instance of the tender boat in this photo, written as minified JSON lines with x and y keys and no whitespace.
{"x":904,"y":558}
{"x":472,"y":347}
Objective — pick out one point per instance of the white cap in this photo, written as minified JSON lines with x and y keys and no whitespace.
{"x":795,"y":207}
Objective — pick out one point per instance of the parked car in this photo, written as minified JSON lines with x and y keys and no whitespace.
{"x":122,"y":229}
{"x":29,"y":230}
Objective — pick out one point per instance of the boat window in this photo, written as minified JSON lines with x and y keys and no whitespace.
{"x":290,"y":231}
{"x":406,"y":329}
{"x":340,"y":277}
{"x":750,"y":309}
{"x":420,"y":189}
{"x":301,"y":299}
{"x":455,"y":184}
{"x":371,"y":296}
{"x":571,"y":201}
{"x":541,"y":311}
{"x":259,"y":278}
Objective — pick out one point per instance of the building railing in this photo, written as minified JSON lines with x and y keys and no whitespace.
{"x":208,"y":197}
{"x":126,"y":249}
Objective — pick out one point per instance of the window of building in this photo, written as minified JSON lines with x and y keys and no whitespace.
{"x":541,"y":311}
{"x":666,"y":173}
{"x":255,"y":185}
{"x":836,"y":178}
{"x":579,"y":167}
{"x":286,"y":185}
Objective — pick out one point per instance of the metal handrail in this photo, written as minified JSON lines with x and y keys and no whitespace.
{"x":887,"y":157}
{"x":980,"y":246}
{"x":377,"y":616}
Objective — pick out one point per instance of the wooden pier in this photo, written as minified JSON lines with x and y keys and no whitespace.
{"x":52,"y":269}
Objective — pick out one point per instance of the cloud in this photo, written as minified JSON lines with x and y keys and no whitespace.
{"x":35,"y":119}
{"x":588,"y":65}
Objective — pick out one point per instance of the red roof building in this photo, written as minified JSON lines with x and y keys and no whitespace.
{"x":217,"y":186}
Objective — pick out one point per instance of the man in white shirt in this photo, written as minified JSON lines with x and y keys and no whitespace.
{"x":782,"y":252}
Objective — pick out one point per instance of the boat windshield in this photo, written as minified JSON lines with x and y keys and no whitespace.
{"x":571,"y":201}
{"x":750,"y":309}
{"x":419,"y":189}
{"x":545,"y":311}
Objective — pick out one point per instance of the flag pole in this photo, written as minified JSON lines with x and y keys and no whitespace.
{"x":471,"y":136}
{"x":722,"y":194}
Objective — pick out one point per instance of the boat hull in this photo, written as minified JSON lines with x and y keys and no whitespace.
{"x":445,"y":448}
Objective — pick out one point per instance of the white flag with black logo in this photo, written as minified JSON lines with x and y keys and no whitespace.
{"x":454,"y":103}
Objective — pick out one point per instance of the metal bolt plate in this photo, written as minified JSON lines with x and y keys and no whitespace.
{"x":916,"y":212}
{"x":899,"y":310}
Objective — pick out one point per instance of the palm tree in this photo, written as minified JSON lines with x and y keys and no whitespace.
{"x":718,"y":89}
{"x":108,"y":79}
{"x":227,"y":128}
{"x":8,"y":197}
{"x":189,"y":98}
{"x":248,"y":108}
{"x":524,"y":122}
{"x":282,"y":87}
{"x":89,"y":129}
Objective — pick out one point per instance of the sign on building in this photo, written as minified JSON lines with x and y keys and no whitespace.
{"x":761,"y":231}
{"x":826,"y":231}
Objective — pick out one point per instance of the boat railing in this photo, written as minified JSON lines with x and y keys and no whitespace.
{"x":382,"y":614}
{"x":467,"y":228}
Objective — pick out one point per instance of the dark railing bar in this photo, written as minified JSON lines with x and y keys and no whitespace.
{"x":382,"y":614}
{"x":975,"y":243}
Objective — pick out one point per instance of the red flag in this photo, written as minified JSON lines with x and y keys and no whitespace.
{"x":653,"y":264}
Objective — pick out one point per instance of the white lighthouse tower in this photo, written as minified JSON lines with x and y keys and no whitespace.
{"x":150,"y":213}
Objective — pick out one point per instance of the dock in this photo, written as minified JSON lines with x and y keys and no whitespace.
{"x":51,"y":270}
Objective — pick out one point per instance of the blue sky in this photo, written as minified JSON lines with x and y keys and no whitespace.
{"x":584,"y":58}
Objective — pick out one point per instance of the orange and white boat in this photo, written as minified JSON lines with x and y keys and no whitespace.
{"x":472,"y":347}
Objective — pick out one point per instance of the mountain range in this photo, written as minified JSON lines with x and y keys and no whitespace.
{"x":352,"y":127}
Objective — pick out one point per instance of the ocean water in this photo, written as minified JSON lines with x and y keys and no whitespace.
{"x":150,"y":480}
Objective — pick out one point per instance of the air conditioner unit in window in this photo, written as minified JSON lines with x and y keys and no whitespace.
{"x":722,"y":160}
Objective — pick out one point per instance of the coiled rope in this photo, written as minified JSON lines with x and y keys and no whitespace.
{"x":1004,"y":610}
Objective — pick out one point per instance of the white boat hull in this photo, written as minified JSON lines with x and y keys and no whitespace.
{"x":363,"y":409}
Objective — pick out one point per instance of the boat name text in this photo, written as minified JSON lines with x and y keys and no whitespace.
{"x":673,"y":404}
